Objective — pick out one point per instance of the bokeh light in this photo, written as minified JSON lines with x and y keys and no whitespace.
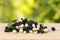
{"x":43,"y":11}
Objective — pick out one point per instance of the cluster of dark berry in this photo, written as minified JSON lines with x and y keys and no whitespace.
{"x":26,"y":26}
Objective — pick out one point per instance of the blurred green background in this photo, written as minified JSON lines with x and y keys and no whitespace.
{"x":43,"y":11}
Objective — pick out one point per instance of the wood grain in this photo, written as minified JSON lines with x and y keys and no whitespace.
{"x":31,"y":36}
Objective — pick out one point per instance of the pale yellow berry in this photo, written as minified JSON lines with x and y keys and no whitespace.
{"x":14,"y":31}
{"x":46,"y":30}
{"x":21,"y":30}
{"x":30,"y":31}
{"x":21,"y":26}
{"x":26,"y":25}
{"x":24,"y":32}
{"x":17,"y":27}
{"x":34,"y":29}
{"x":33,"y":25}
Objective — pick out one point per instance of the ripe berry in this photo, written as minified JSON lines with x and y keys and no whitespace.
{"x":53,"y":29}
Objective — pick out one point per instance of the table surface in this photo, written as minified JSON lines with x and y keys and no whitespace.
{"x":52,"y":35}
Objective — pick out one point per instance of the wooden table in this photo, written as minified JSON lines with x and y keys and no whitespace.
{"x":31,"y":36}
